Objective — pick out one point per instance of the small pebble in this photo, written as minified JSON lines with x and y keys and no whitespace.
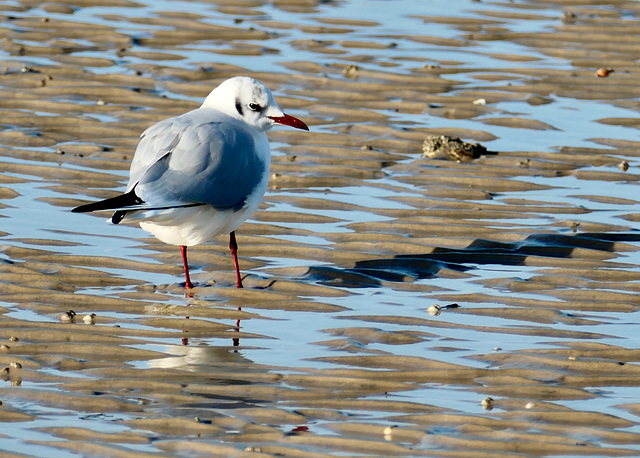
{"x":68,"y":316}
{"x":389,"y":429}
{"x":569,"y":18}
{"x":525,"y":163}
{"x":4,"y":373}
{"x":604,"y":72}
{"x":434,"y":310}
{"x":388,"y":432}
{"x":351,"y":71}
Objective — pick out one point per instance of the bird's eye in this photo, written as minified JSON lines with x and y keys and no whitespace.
{"x":255,"y":107}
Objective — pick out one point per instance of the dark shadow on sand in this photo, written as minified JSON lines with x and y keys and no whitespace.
{"x":371,"y":273}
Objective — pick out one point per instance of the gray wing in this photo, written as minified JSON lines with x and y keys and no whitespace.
{"x":185,"y":161}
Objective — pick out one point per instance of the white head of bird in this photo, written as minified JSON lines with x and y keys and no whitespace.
{"x":250,"y":100}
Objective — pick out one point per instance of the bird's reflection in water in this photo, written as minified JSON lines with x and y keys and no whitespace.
{"x":198,"y":358}
{"x":235,"y":340}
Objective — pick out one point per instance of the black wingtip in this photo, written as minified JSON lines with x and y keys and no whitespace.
{"x":118,"y":216}
{"x":123,"y":200}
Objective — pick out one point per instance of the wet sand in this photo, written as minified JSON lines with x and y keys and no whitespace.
{"x":395,"y":304}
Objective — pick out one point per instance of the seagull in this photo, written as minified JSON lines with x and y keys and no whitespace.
{"x":203,"y":173}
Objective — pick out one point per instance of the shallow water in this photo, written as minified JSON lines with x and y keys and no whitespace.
{"x":330,"y":350}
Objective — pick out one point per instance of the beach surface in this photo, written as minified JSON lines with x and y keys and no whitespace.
{"x":398,"y":301}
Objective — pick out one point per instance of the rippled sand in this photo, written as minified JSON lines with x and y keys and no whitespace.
{"x":395,"y":304}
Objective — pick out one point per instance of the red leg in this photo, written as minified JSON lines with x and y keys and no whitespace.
{"x":187,"y":284}
{"x":233,"y":246}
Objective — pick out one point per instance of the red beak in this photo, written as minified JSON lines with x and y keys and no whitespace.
{"x":287,"y":120}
